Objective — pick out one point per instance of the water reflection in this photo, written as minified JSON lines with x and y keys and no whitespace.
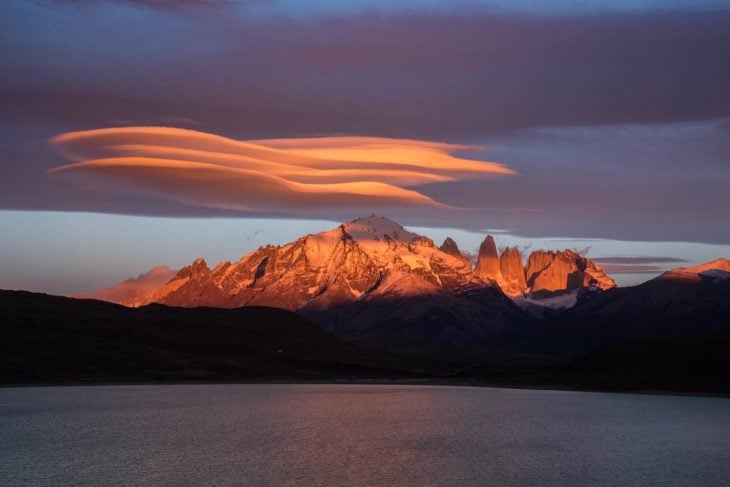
{"x":358,"y":435}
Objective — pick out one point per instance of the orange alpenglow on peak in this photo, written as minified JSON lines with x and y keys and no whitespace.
{"x":488,"y":266}
{"x":513,"y":271}
{"x":547,"y":273}
{"x":721,"y":264}
{"x":373,"y":259}
{"x":450,"y":247}
{"x":718,"y":268}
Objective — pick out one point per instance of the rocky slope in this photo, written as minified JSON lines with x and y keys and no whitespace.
{"x":679,"y":302}
{"x":551,"y":273}
{"x":487,"y":266}
{"x":718,"y":269}
{"x":547,"y":274}
{"x":371,"y":275}
{"x":371,"y":257}
{"x":513,"y":272}
{"x":365,"y":257}
{"x":450,"y":247}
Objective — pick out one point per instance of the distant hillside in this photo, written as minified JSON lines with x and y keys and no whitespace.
{"x":53,"y":339}
{"x":698,"y":362}
{"x":679,"y":302}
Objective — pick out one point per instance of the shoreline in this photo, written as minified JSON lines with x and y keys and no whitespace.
{"x":374,"y":382}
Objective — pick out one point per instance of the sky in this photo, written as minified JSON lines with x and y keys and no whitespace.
{"x":602,"y":126}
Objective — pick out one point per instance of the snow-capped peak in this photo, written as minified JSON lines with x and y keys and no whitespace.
{"x":714,"y":268}
{"x":363,"y":259}
{"x":717,"y":264}
{"x":378,"y":228}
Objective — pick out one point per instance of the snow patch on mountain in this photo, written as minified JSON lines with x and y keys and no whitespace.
{"x":377,"y":228}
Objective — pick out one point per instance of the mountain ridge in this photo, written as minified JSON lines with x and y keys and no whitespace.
{"x":372,"y":276}
{"x":355,"y":258}
{"x":47,"y":339}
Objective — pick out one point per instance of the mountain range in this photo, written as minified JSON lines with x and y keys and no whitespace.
{"x":679,"y":302}
{"x":369,"y":299}
{"x":371,"y":276}
{"x":371,"y":279}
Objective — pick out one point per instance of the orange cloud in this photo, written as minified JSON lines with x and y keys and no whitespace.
{"x":279,"y":175}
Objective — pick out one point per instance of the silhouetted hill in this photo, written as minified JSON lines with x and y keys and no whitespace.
{"x":678,"y":363}
{"x":476,"y":317}
{"x":50,"y":339}
{"x":672,"y":304}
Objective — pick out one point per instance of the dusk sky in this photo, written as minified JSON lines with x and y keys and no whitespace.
{"x":602,"y":126}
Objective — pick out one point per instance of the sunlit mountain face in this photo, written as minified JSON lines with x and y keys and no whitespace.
{"x":138,"y":134}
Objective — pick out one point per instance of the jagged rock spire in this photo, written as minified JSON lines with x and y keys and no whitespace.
{"x":378,"y":259}
{"x":450,"y":247}
{"x":513,"y":271}
{"x":488,"y":260}
{"x":550,"y":273}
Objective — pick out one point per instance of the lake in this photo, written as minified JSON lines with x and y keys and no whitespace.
{"x":311,"y":435}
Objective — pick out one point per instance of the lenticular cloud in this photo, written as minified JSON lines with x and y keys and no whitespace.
{"x":264,"y":176}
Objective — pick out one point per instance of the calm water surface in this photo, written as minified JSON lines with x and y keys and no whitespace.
{"x":313,"y":435}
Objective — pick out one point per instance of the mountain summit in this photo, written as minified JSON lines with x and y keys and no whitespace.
{"x":370,"y":257}
{"x":364,"y":257}
{"x":371,"y":272}
{"x":714,"y":269}
{"x":370,"y":276}
{"x":547,"y":274}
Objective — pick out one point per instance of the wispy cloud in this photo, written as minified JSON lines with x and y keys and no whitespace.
{"x":631,"y":269}
{"x":636,"y":264}
{"x":273,"y":176}
{"x":638,"y":260}
{"x":166,"y":5}
{"x":593,"y":110}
